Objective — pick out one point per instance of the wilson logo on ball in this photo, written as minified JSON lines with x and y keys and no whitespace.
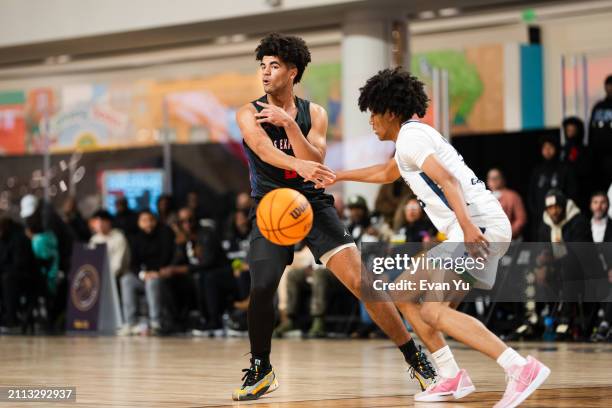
{"x":296,"y":212}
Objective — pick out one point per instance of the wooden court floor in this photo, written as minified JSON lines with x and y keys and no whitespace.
{"x":186,"y":372}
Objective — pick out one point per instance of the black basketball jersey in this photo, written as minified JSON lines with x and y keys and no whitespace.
{"x":265,"y":177}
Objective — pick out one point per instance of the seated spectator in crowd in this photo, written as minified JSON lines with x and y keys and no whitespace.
{"x":510,"y":200}
{"x":550,"y":174}
{"x":578,"y":157}
{"x":125,"y":219}
{"x":75,"y":222}
{"x":236,"y":246}
{"x":601,"y":227}
{"x":152,"y":249}
{"x":559,"y":269}
{"x":193,"y":203}
{"x":600,"y":138}
{"x":303,"y":272}
{"x":201,"y":253}
{"x":360,"y":224}
{"x":389,"y":197}
{"x":50,"y":220}
{"x":46,"y":251}
{"x":17,"y":272}
{"x":411,"y":224}
{"x":166,"y":212}
{"x":117,"y":246}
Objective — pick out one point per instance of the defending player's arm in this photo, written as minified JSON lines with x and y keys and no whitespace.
{"x":257,"y":139}
{"x":454,"y":194}
{"x":380,"y":174}
{"x":311,"y":147}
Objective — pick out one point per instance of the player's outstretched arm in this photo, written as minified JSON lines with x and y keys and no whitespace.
{"x":257,"y":139}
{"x":380,"y":174}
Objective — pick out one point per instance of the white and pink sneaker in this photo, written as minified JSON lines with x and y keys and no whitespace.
{"x":447,"y":389}
{"x":522,"y":382}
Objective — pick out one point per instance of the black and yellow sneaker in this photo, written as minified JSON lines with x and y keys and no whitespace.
{"x":257,"y":382}
{"x":421,"y":369}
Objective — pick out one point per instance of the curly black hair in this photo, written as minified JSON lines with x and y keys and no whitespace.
{"x":290,"y":49}
{"x":395,"y":91}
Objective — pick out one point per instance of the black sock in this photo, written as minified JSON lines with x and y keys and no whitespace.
{"x":261,"y":360}
{"x":409,"y":350}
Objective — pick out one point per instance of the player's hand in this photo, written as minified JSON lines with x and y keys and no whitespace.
{"x":272,"y":114}
{"x":318,"y":173}
{"x":475,"y":241}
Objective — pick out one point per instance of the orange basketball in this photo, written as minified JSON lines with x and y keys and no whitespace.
{"x":284,"y":216}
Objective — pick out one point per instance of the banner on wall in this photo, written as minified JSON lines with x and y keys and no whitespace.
{"x":12,"y":123}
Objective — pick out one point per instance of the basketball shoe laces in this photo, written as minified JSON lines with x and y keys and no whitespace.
{"x":421,"y":365}
{"x":251,"y":375}
{"x":516,"y":378}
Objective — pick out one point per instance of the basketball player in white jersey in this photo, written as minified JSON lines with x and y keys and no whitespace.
{"x":460,"y":206}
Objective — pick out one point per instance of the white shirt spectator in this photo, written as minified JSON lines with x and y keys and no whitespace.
{"x":117,"y":249}
{"x":598,"y":228}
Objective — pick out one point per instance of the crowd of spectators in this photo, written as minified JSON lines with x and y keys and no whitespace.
{"x":178,"y":272}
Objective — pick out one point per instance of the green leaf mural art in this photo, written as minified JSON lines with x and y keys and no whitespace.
{"x":465,"y":86}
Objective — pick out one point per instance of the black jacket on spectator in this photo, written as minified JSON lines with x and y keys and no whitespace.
{"x":204,"y":253}
{"x":580,"y":161}
{"x":546,"y":176}
{"x":78,"y":227}
{"x":127,"y":222}
{"x":574,"y":263}
{"x":17,"y":269}
{"x":151,"y":252}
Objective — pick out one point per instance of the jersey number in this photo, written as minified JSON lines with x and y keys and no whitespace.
{"x":290,"y":174}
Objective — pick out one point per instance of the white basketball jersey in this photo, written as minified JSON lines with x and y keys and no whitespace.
{"x":416,"y":141}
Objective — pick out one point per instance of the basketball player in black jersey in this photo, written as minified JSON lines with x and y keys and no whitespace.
{"x":285,"y":141}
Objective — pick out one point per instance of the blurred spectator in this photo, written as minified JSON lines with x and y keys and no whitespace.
{"x":193,"y":203}
{"x":601,"y":227}
{"x":360,"y":224}
{"x":510,"y":200}
{"x":152,"y":249}
{"x":32,"y":207}
{"x":578,"y":157}
{"x":244,"y":202}
{"x":600,"y":137}
{"x":236,"y":246}
{"x":389,"y":197}
{"x":549,"y":174}
{"x":46,"y":251}
{"x":601,"y":224}
{"x":125,"y":219}
{"x":75,"y":222}
{"x":116,"y":245}
{"x":166,"y":211}
{"x":361,"y":228}
{"x":304,"y":272}
{"x":559,"y":273}
{"x":203,"y":254}
{"x":16,"y":272}
{"x":411,"y":224}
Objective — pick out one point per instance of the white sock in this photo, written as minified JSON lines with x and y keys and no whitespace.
{"x":444,"y":359}
{"x":509,"y":358}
